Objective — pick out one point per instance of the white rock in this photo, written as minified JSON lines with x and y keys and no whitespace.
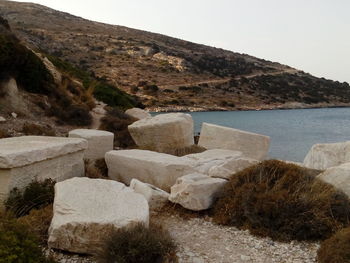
{"x":85,"y":210}
{"x":338,"y":176}
{"x":196,"y":191}
{"x":158,"y":169}
{"x":28,"y":158}
{"x":138,"y":113}
{"x":2,"y":119}
{"x":252,"y":145}
{"x":220,"y":163}
{"x":163,"y":132}
{"x":99,"y":142}
{"x":323,"y":156}
{"x":14,"y":115}
{"x":155,"y":197}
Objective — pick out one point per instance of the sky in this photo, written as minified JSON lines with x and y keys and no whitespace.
{"x":310,"y":35}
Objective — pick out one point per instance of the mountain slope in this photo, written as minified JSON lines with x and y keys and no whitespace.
{"x":167,"y":72}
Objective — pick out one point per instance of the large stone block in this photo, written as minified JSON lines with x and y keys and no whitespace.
{"x":163,"y":132}
{"x":155,"y":197}
{"x":158,"y":169}
{"x":28,"y":158}
{"x":338,"y":176}
{"x":220,"y":163}
{"x":86,"y":210}
{"x":252,"y":145}
{"x":196,"y":191}
{"x":138,"y":114}
{"x":325,"y":155}
{"x":99,"y":142}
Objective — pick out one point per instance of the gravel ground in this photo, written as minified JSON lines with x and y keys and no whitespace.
{"x":201,"y":241}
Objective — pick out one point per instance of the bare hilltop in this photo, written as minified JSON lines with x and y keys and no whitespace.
{"x":169,"y":74}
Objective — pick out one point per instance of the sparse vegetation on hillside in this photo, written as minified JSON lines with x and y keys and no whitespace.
{"x":138,"y":244}
{"x":283,"y":201}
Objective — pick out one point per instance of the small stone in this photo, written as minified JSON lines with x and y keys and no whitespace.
{"x":14,"y":115}
{"x":2,"y":119}
{"x":245,"y":258}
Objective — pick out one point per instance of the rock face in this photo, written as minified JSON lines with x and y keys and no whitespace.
{"x":85,"y":210}
{"x":138,"y":113}
{"x":323,"y":156}
{"x":196,"y":191}
{"x":28,"y":158}
{"x":155,"y":197}
{"x":99,"y":142}
{"x":338,"y":176}
{"x":163,"y":132}
{"x":252,"y":145}
{"x":158,"y":169}
{"x":220,"y":163}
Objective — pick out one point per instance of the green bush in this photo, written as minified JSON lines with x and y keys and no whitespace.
{"x":138,"y":244}
{"x":283,"y":201}
{"x":336,"y":249}
{"x":18,"y":244}
{"x":35,"y":196}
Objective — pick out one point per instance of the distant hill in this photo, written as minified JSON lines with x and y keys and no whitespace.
{"x":168,"y":73}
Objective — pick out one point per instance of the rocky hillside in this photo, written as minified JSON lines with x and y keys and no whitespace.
{"x":40,"y":92}
{"x":169,"y":73}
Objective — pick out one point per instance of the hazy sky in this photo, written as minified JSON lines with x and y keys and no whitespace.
{"x":311,"y":35}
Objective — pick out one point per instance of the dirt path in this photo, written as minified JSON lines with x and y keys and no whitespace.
{"x":221,"y":81}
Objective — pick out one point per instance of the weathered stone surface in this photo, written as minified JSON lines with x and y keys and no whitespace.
{"x":155,"y":197}
{"x":338,"y":176}
{"x":20,"y":151}
{"x":85,"y":210}
{"x":220,"y":163}
{"x":138,"y":113}
{"x":252,"y":145}
{"x":24,"y":159}
{"x":325,"y":155}
{"x":99,"y":142}
{"x":158,"y":169}
{"x":163,"y":132}
{"x":196,"y":191}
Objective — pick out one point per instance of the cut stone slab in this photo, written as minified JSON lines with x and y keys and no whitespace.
{"x":158,"y":169}
{"x":138,"y":113}
{"x":86,"y":210}
{"x":163,"y":132}
{"x":326,"y":155}
{"x":28,"y":158}
{"x":155,"y":197}
{"x":338,"y":176}
{"x":220,"y":163}
{"x":252,"y":145}
{"x":99,"y":142}
{"x":196,"y":191}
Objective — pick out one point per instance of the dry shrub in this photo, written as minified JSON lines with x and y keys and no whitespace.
{"x":4,"y":134}
{"x":336,"y":249}
{"x":101,"y":165}
{"x":36,"y":129}
{"x":91,"y":171}
{"x":138,"y":244}
{"x":283,"y":201}
{"x":186,"y":150}
{"x":39,"y":221}
{"x":117,"y":122}
{"x":35,"y":196}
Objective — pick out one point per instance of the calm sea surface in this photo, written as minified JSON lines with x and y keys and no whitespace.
{"x":292,"y":132}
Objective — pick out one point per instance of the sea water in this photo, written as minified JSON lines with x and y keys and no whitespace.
{"x":292,"y":132}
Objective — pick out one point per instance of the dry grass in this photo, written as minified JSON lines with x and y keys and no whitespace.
{"x":91,"y":171}
{"x":283,"y":201}
{"x":38,"y":221}
{"x":336,"y":249}
{"x":36,"y":129}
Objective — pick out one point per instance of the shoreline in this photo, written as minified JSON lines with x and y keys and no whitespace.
{"x":289,"y":106}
